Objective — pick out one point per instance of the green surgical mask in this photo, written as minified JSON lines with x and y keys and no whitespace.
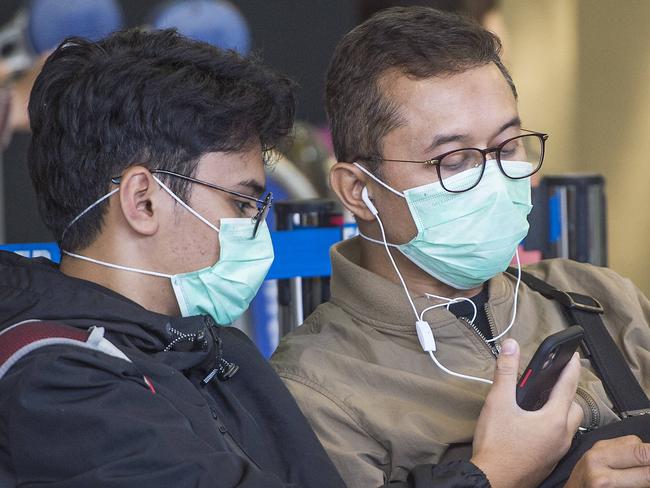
{"x":225,"y":289}
{"x":464,"y":239}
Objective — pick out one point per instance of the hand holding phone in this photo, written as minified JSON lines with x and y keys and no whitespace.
{"x":544,"y":369}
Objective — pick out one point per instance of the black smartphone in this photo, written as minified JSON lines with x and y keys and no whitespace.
{"x":544,"y":369}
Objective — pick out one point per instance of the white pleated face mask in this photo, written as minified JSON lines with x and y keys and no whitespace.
{"x":225,"y":290}
{"x":464,"y":239}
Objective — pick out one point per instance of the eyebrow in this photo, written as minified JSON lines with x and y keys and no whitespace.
{"x":444,"y":139}
{"x":254,"y":186}
{"x":514,"y":122}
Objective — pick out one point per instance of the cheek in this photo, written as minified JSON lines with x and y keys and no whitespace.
{"x":397,"y":220}
{"x":196,"y":245}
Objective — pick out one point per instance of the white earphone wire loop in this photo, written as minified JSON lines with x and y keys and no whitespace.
{"x":458,"y":375}
{"x":514,"y":304}
{"x":449,"y":302}
{"x":418,"y":317}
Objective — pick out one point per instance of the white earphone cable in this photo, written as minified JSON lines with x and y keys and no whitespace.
{"x":514,"y":305}
{"x":425,"y":334}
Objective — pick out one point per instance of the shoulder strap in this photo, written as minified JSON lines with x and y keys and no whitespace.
{"x":22,"y":338}
{"x":622,"y":387}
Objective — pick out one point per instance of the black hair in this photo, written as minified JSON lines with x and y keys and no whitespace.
{"x":152,"y":98}
{"x":419,"y":42}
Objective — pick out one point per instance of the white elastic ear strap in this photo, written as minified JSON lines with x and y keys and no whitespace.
{"x":108,"y":195}
{"x":186,"y":206}
{"x":116,"y":266}
{"x":398,"y":193}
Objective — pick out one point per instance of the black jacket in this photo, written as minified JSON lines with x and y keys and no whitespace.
{"x":77,"y":418}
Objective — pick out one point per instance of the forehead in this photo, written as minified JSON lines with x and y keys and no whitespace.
{"x":469,"y":102}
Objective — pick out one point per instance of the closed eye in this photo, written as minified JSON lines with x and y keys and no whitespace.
{"x":245,"y":207}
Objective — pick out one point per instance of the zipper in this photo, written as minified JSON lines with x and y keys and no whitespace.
{"x":492,"y":328}
{"x":230,"y":440}
{"x":234,"y":445}
{"x":593,"y":407}
{"x":493,"y":348}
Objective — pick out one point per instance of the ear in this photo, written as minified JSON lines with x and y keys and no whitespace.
{"x":138,"y":192}
{"x":348,"y":183}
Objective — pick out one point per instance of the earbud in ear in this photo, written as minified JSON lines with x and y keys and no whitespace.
{"x":366,"y":200}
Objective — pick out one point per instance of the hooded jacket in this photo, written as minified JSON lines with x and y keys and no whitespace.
{"x":72,"y":417}
{"x":380,"y":405}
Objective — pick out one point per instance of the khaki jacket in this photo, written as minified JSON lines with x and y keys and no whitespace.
{"x":378,"y":403}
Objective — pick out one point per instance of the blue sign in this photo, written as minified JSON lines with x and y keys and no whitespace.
{"x":300,"y":252}
{"x":47,"y":250}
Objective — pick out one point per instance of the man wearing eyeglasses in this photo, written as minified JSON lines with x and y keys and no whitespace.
{"x":435,"y":164}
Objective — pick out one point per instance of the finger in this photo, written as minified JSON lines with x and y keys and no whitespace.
{"x":507,"y":367}
{"x":638,"y":477}
{"x":628,"y":454}
{"x":564,"y":390}
{"x":575,"y":418}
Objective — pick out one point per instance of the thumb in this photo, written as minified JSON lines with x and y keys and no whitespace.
{"x":505,"y":373}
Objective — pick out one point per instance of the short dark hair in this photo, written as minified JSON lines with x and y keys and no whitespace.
{"x":419,"y":42}
{"x":152,"y":98}
{"x":475,"y":9}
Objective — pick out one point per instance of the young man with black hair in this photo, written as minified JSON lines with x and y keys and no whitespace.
{"x":435,"y":163}
{"x":147,"y":157}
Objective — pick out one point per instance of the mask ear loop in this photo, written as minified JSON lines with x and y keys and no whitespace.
{"x":186,"y":206}
{"x":117,"y":266}
{"x":128,"y":268}
{"x":88,"y":209}
{"x":425,"y":334}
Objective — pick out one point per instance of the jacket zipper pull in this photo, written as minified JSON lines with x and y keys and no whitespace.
{"x":223,"y":369}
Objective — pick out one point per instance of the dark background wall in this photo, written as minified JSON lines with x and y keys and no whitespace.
{"x":295,"y":36}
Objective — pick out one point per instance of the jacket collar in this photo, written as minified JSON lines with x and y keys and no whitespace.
{"x":36,"y":289}
{"x":383,"y":305}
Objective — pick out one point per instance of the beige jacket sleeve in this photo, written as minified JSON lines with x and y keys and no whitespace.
{"x":352,"y":449}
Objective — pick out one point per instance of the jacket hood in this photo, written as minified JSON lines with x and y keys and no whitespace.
{"x":36,"y":289}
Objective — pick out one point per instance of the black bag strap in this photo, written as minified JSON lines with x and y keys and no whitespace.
{"x":621,"y":386}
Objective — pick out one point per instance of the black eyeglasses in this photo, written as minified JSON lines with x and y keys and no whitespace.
{"x":263,"y":205}
{"x":527,"y":147}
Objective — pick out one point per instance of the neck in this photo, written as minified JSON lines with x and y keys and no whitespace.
{"x":375,"y":259}
{"x":151,"y":292}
